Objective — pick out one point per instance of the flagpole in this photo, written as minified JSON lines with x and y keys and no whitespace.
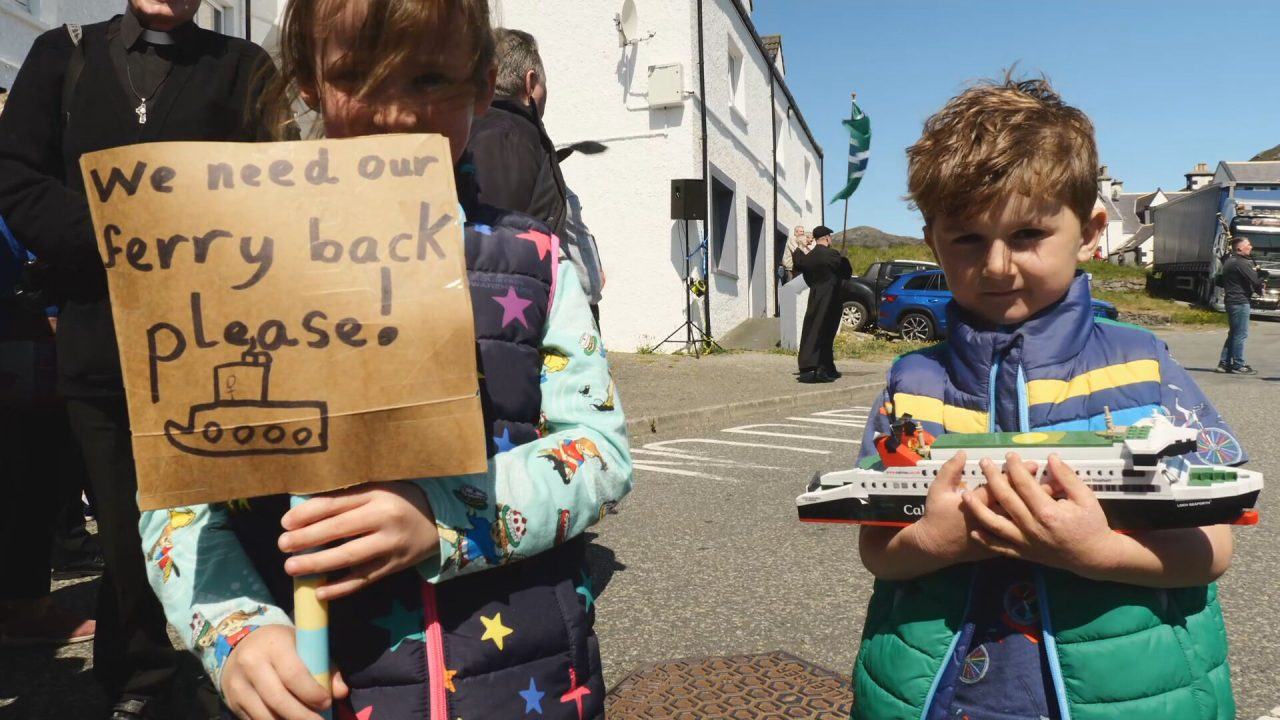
{"x":844,"y":236}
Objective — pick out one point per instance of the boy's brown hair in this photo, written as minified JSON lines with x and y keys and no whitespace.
{"x":1000,"y":138}
{"x":392,"y":32}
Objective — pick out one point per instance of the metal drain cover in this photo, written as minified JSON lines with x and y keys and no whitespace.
{"x":740,"y":687}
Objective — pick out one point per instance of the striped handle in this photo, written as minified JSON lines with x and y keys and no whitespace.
{"x":311,"y":618}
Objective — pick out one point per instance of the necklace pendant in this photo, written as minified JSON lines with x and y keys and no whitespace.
{"x":141,"y":111}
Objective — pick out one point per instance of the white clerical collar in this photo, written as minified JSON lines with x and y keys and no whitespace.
{"x":156,"y":37}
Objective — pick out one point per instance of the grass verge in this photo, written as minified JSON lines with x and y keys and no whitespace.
{"x":1151,"y":310}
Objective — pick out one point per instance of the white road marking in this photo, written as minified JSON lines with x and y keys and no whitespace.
{"x":751,"y":430}
{"x":823,"y":421}
{"x":675,"y":471}
{"x":844,"y":412}
{"x":709,"y":441}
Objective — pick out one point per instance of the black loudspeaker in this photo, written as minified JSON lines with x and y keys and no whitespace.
{"x":689,"y":199}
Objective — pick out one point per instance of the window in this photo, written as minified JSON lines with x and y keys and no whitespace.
{"x":737,"y":88}
{"x":897,"y":269}
{"x":217,"y":17}
{"x":939,"y":283}
{"x":920,"y":282}
{"x":724,"y":235}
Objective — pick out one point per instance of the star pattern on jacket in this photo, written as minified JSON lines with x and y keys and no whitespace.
{"x":532,"y":698}
{"x":585,"y":590}
{"x":513,"y":307}
{"x":401,"y":624}
{"x":541,"y":241}
{"x":503,"y":441}
{"x":494,"y":629}
{"x":448,"y":680}
{"x":576,"y":692}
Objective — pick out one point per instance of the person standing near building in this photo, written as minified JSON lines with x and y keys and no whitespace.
{"x":799,"y":242}
{"x":823,"y":269}
{"x":1240,"y":282}
{"x":515,"y":160}
{"x":147,"y":76}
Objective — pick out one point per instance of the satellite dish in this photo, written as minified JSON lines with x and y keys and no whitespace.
{"x":627,"y":22}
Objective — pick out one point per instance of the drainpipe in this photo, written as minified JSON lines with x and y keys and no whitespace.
{"x":706,"y":224}
{"x":248,"y":20}
{"x":773,"y":231}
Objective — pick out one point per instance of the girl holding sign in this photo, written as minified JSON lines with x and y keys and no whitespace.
{"x":450,"y":597}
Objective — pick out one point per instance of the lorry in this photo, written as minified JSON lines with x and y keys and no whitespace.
{"x":1193,"y":236}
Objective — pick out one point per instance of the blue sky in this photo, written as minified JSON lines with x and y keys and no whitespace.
{"x":1167,"y":84}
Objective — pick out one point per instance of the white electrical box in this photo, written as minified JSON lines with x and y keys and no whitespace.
{"x":666,"y":85}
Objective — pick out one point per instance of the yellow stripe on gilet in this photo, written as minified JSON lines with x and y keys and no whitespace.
{"x":1110,"y":376}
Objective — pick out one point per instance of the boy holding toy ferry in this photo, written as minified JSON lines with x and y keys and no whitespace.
{"x":1016,"y":600}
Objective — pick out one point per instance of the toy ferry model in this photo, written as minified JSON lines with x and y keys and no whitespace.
{"x":1135,"y":471}
{"x":243,"y":420}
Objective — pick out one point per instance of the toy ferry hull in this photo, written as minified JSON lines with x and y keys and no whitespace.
{"x":1138,"y":473}
{"x":251,"y":427}
{"x":840,"y":505}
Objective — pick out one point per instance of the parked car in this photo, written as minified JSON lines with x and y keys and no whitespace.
{"x":914,"y":306}
{"x":861,"y":295}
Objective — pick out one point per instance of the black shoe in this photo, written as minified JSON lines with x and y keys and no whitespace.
{"x":132,"y":709}
{"x":78,"y":565}
{"x":815,"y":376}
{"x":833,"y":373}
{"x":1244,"y":370}
{"x":1224,"y":368}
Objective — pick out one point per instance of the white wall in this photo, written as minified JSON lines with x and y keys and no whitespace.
{"x":596,"y":92}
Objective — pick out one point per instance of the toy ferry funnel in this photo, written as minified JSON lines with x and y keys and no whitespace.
{"x":244,"y":420}
{"x":1140,"y":474}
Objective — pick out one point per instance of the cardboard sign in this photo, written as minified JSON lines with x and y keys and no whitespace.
{"x":292,"y":317}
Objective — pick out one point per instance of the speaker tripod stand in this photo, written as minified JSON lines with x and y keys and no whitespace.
{"x":696,"y":340}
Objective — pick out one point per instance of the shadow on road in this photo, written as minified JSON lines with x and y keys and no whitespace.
{"x":603,"y":563}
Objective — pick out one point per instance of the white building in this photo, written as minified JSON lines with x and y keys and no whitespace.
{"x":21,"y":21}
{"x":642,"y":98}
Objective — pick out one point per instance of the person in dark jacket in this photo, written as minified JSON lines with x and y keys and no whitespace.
{"x":515,"y":160}
{"x":823,"y":269}
{"x":1240,"y":282}
{"x":149,"y":75}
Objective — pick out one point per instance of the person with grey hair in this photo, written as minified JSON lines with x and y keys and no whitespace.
{"x":515,"y":160}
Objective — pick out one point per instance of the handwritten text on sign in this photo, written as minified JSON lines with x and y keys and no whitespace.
{"x":292,"y":317}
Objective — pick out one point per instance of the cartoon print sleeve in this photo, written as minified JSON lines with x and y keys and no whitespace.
{"x":879,"y":418}
{"x":544,"y":492}
{"x":1187,"y":405}
{"x":209,"y":589}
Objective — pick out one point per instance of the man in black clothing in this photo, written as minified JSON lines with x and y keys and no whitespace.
{"x":150,"y":75}
{"x":1240,"y":282}
{"x":516,"y":165}
{"x":823,"y":269}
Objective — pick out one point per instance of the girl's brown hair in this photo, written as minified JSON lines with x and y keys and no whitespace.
{"x":999,"y":138}
{"x":391,"y":33}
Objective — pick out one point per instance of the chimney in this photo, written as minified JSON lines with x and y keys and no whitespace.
{"x":1200,"y":176}
{"x":1104,"y":182}
{"x":1117,"y":187}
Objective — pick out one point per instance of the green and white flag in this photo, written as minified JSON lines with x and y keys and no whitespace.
{"x":859,"y":127}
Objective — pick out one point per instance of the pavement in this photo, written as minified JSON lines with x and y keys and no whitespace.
{"x":663,"y":391}
{"x":705,"y":558}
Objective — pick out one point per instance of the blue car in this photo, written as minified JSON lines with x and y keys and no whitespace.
{"x":914,"y":306}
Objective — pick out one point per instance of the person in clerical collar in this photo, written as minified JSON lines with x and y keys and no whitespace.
{"x":147,"y":75}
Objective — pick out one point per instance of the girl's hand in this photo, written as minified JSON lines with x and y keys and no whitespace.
{"x":1069,"y":533}
{"x":264,"y":679}
{"x":387,"y":527}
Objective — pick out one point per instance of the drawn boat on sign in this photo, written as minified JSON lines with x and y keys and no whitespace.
{"x":243,"y":420}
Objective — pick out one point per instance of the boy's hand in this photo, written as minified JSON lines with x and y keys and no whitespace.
{"x":1069,"y":533}
{"x":387,"y":527}
{"x":945,"y":530}
{"x":264,"y":679}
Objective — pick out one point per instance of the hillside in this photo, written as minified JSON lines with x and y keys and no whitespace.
{"x":867,"y":236}
{"x":1272,"y":154}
